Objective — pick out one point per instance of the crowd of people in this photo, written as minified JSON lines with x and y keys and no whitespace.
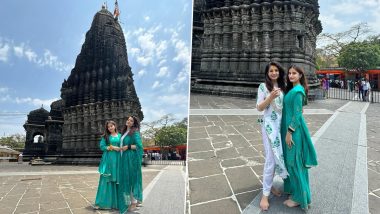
{"x":360,"y":86}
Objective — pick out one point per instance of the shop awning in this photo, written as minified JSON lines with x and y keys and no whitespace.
{"x":373,"y":71}
{"x":329,"y":72}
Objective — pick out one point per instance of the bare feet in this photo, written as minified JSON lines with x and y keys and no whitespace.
{"x":264,"y":204}
{"x":275,"y":192}
{"x":291,"y":203}
{"x":132,"y":207}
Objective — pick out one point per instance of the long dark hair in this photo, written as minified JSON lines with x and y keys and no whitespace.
{"x":107,"y":133}
{"x":303,"y":80}
{"x":281,"y":77}
{"x":135,"y":126}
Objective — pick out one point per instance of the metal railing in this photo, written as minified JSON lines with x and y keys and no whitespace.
{"x":372,"y":96}
{"x":164,"y":162}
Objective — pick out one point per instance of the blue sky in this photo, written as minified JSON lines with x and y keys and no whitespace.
{"x":40,"y":40}
{"x":340,"y":15}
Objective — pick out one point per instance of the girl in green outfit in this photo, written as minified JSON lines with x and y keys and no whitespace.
{"x":130,"y":166}
{"x":299,"y":153}
{"x":107,"y":195}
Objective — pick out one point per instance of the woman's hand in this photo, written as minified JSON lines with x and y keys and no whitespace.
{"x":289,"y":140}
{"x":133,"y":147}
{"x":275,"y":93}
{"x":115,"y":148}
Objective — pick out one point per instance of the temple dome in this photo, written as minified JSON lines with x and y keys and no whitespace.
{"x":38,"y":116}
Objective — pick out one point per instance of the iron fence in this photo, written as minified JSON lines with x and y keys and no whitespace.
{"x":164,"y":162}
{"x":372,"y":96}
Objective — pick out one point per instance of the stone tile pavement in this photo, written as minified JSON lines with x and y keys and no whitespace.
{"x":373,"y":157}
{"x":226,"y":158}
{"x":226,"y":154}
{"x":72,"y":189}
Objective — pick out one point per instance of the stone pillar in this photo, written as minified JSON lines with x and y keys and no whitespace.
{"x":224,"y":62}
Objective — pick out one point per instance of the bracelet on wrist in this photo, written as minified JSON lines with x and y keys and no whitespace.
{"x":290,"y":130}
{"x":129,"y":146}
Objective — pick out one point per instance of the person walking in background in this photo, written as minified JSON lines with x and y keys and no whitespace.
{"x":131,"y":189}
{"x":367,"y":92}
{"x":107,"y":194}
{"x":325,"y":87}
{"x":299,"y":152}
{"x":270,"y":100}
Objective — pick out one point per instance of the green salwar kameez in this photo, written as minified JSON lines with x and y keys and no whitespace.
{"x":107,"y":195}
{"x":301,"y":156}
{"x":130,"y":171}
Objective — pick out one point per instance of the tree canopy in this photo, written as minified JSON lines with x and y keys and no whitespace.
{"x":360,"y":56}
{"x":165,"y":132}
{"x":16,"y":141}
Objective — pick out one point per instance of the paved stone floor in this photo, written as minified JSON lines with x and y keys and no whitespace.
{"x":68,"y":189}
{"x":373,"y":157}
{"x":226,"y":153}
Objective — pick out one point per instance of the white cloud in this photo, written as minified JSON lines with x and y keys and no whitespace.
{"x":8,"y":129}
{"x":134,"y":51}
{"x":141,"y":73}
{"x":164,"y":71}
{"x":5,"y":98}
{"x":161,"y":62}
{"x":3,"y":90}
{"x":146,"y":18}
{"x":22,"y":51}
{"x":146,"y":43}
{"x":183,"y":52}
{"x":30,"y":55}
{"x":331,"y":21}
{"x":347,"y":8}
{"x":161,"y":47}
{"x":144,"y":60}
{"x":4,"y":52}
{"x":35,"y":101}
{"x":152,"y":114}
{"x":19,"y":50}
{"x":175,"y":99}
{"x":156,"y":84}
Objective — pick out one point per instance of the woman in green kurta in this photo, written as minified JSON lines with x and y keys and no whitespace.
{"x":130,"y":166}
{"x":107,"y":195}
{"x":299,"y":153}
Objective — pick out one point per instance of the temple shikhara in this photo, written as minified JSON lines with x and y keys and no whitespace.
{"x":233,"y":41}
{"x":100,"y":87}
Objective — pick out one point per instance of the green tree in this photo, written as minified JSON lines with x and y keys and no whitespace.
{"x":360,"y":56}
{"x":16,"y":141}
{"x":173,"y":135}
{"x":151,"y":128}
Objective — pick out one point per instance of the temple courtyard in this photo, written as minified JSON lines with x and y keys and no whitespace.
{"x":72,"y":189}
{"x":226,"y":157}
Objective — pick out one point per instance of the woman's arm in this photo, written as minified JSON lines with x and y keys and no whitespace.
{"x":103,"y":145}
{"x":262,"y":101}
{"x":295,"y":122}
{"x":297,"y":111}
{"x":138,"y":141}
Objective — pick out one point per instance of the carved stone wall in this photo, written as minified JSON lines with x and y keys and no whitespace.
{"x":240,"y":37}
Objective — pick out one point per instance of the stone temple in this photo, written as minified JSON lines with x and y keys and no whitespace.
{"x":233,"y":40}
{"x":100,"y":88}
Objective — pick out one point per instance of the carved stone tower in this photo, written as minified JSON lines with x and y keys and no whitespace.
{"x":235,"y":39}
{"x":99,"y":88}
